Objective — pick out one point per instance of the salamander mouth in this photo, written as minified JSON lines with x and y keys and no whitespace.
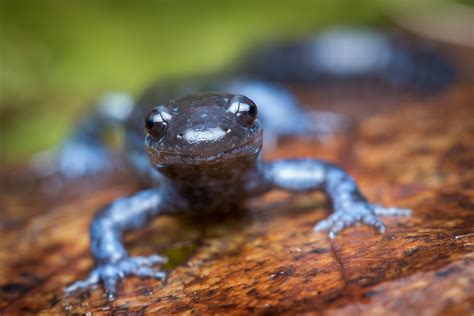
{"x":160,"y":157}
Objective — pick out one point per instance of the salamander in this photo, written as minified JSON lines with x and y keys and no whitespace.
{"x":201,"y":153}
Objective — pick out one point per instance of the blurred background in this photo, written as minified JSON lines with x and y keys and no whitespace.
{"x":58,"y":56}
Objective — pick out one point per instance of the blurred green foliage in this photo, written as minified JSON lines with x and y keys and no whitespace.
{"x":58,"y":55}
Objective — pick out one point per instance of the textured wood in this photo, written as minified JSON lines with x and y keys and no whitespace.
{"x":405,"y":152}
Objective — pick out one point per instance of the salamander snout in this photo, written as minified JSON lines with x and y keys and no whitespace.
{"x":203,"y":134}
{"x":207,"y":130}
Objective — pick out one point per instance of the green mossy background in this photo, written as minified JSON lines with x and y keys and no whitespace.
{"x":57,"y":56}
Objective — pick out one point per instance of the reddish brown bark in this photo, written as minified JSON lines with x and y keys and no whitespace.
{"x":416,"y":154}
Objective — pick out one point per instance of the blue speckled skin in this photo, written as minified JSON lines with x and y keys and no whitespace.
{"x":202,"y":151}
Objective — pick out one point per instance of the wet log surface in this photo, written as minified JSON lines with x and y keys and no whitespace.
{"x":405,"y":151}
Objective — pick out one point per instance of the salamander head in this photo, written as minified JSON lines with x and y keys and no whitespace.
{"x":202,"y":129}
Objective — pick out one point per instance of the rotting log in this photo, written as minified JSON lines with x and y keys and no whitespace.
{"x":408,"y":152}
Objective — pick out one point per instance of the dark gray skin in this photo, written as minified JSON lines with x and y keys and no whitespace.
{"x":205,"y":154}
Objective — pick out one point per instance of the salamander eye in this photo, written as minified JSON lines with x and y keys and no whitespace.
{"x":244,"y":108}
{"x":156,"y":122}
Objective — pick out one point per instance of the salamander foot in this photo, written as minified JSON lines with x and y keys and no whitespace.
{"x":348,"y":214}
{"x":110,"y":273}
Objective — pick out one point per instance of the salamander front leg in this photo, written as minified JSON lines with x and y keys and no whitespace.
{"x":350,"y":206}
{"x":107,"y":229}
